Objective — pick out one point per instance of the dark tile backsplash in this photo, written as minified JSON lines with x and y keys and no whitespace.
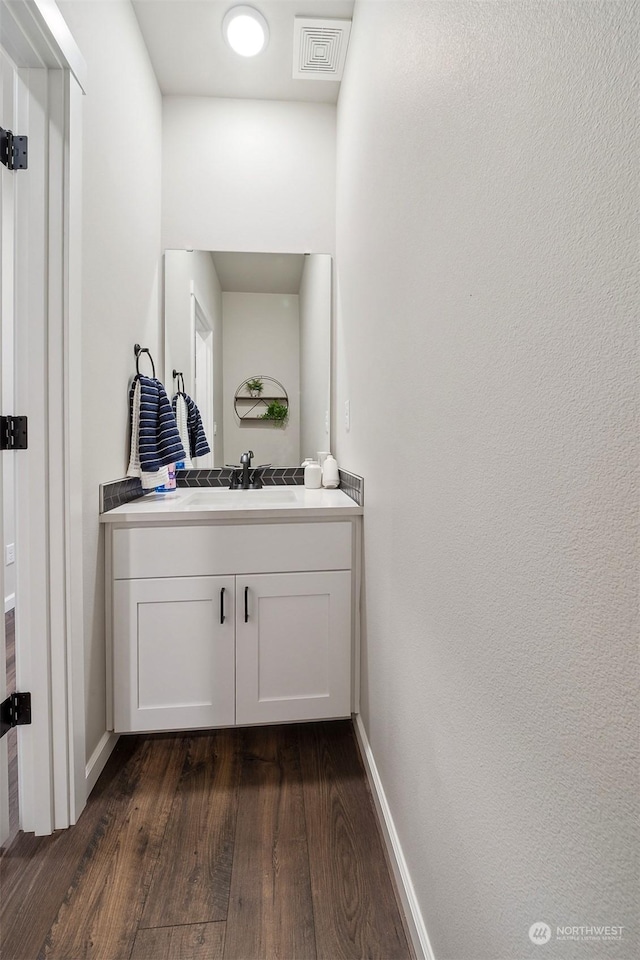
{"x":352,"y":485}
{"x":271,"y":477}
{"x":118,"y":492}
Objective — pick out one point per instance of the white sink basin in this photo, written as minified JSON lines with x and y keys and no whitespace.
{"x":242,"y":499}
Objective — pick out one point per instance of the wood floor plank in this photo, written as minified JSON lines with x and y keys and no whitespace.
{"x":197,"y":941}
{"x":101,"y":911}
{"x":36,"y":872}
{"x":192,"y":878}
{"x":356,"y":912}
{"x":309,"y":875}
{"x":270,"y":910}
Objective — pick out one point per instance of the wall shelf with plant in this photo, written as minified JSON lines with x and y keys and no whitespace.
{"x":261,"y":399}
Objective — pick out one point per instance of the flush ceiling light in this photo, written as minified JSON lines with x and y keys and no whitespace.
{"x":245,"y":30}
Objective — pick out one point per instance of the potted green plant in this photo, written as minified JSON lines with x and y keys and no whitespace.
{"x":255,"y":387}
{"x":276,"y":411}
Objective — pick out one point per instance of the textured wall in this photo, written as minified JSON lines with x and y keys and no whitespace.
{"x":487,"y":283}
{"x":120,"y":284}
{"x":252,"y":175}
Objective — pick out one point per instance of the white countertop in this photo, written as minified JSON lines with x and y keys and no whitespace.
{"x":215,"y":503}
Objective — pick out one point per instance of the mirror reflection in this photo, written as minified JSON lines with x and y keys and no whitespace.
{"x":250,"y":333}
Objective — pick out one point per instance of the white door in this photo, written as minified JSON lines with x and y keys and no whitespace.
{"x":4,"y":754}
{"x":174,"y":654}
{"x":7,"y":72}
{"x":293,"y":646}
{"x":40,"y":237}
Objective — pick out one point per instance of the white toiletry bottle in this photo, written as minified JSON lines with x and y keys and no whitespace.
{"x":322,"y":456}
{"x":330,"y":476}
{"x":313,"y":475}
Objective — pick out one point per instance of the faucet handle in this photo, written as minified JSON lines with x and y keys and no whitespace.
{"x":256,"y":476}
{"x":234,"y":479}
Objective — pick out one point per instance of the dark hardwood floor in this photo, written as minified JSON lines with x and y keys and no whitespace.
{"x":234,"y":844}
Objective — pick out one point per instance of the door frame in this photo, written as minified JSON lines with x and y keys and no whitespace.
{"x":199,"y":315}
{"x":6,"y":342}
{"x":49,"y":616}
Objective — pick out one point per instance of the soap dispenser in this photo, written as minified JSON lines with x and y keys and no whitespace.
{"x":313,"y":475}
{"x":330,"y":475}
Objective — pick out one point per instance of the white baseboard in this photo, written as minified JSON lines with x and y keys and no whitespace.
{"x":413,"y":915}
{"x":99,"y":757}
{"x":9,"y":602}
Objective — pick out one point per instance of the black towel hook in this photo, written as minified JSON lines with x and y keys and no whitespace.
{"x":177,"y":375}
{"x":137,"y":349}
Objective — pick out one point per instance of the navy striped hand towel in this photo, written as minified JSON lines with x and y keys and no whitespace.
{"x":155,"y":441}
{"x":198,"y":444}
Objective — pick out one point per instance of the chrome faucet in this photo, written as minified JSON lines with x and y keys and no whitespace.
{"x":245,"y":460}
{"x":243,"y":477}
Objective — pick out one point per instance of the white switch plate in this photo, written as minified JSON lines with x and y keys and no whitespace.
{"x":347,"y":415}
{"x":10,"y":553}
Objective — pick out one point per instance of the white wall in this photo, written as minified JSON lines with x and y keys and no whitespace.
{"x":121,"y":262}
{"x":487,"y":282}
{"x":184,"y":271}
{"x":250,"y":175}
{"x":315,"y":354}
{"x":261,"y":337}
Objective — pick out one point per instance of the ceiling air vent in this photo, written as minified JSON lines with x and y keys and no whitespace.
{"x":319,"y":48}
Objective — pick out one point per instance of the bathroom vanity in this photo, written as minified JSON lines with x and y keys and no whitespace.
{"x":231,"y":607}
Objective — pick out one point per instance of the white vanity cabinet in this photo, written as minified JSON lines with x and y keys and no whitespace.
{"x":174,"y":653}
{"x":219,"y":623}
{"x":293,"y":646}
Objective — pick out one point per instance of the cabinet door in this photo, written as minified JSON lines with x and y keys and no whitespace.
{"x":293,"y":646}
{"x":174,"y":653}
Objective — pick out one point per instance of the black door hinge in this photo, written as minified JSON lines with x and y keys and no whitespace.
{"x":13,"y":433}
{"x":15,"y":711}
{"x":13,"y":150}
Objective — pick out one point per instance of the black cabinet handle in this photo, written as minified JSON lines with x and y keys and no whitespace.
{"x":246,"y":604}
{"x":222,"y":589}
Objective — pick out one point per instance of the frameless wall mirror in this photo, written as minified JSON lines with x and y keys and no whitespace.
{"x":230,"y":318}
